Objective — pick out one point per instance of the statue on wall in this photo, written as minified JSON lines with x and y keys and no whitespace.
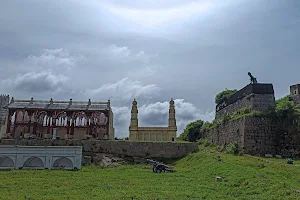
{"x":252,"y":79}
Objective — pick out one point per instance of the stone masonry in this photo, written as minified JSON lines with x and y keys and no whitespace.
{"x":123,"y":148}
{"x":295,"y":93}
{"x":4,"y":100}
{"x":258,"y":97}
{"x":254,"y":135}
{"x":228,"y":133}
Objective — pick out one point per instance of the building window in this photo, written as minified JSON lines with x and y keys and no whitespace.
{"x":295,"y":91}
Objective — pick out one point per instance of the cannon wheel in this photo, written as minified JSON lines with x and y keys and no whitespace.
{"x":154,"y":169}
{"x":159,"y":169}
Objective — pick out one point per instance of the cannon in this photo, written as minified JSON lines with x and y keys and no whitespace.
{"x":159,"y":167}
{"x":252,"y":79}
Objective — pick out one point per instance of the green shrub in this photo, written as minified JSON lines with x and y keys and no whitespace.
{"x":232,"y":148}
{"x":224,"y":95}
{"x":207,"y":143}
{"x":221,"y":148}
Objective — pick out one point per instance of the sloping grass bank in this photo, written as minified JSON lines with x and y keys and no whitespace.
{"x":244,"y":177}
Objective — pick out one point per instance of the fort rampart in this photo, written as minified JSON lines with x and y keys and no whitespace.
{"x":254,"y":135}
{"x":123,"y":148}
{"x":258,"y":97}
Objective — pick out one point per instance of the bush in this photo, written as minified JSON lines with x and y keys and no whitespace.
{"x":221,"y":148}
{"x":232,"y":148}
{"x":224,"y":95}
{"x":204,"y":142}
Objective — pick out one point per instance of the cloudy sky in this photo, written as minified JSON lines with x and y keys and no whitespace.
{"x":148,"y":49}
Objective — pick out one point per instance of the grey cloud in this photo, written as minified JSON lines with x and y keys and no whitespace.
{"x":58,"y":59}
{"x":124,"y":91}
{"x":33,"y":82}
{"x":191,"y":57}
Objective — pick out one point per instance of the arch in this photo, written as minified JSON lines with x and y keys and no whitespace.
{"x":41,"y":113}
{"x":34,"y":163}
{"x":40,"y":117}
{"x":20,"y":115}
{"x":63,"y":163}
{"x":6,"y":162}
{"x":26,"y":117}
{"x":62,"y":114}
{"x":80,"y":115}
{"x":99,"y":118}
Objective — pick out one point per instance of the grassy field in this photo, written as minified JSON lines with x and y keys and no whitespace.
{"x":244,"y":177}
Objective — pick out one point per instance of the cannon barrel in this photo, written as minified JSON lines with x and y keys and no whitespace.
{"x":250,"y":75}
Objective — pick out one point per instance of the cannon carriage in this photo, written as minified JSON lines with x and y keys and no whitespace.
{"x":159,"y":167}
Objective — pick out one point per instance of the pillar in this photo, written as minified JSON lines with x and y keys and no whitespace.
{"x":68,"y":125}
{"x":8,"y":122}
{"x":15,"y":125}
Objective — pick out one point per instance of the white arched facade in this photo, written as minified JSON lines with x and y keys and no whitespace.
{"x":40,"y":157}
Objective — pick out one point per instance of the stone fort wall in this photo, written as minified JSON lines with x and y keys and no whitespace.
{"x":254,"y":135}
{"x":295,"y":93}
{"x":258,"y":97}
{"x":124,"y":148}
{"x":4,"y":100}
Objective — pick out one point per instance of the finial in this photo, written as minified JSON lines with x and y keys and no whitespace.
{"x":172,"y":101}
{"x":89,"y":102}
{"x":51,"y":101}
{"x":134,"y":102}
{"x":108,"y":102}
{"x":71,"y":101}
{"x":31,"y":100}
{"x":12,"y":100}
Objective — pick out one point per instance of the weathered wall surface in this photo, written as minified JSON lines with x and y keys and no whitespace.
{"x":255,"y":135}
{"x":4,"y":100}
{"x":239,"y":104}
{"x":259,"y":136}
{"x":153,"y":134}
{"x":296,"y":99}
{"x":295,"y":93}
{"x":228,"y":133}
{"x":126,"y":148}
{"x":289,"y":143}
{"x":257,"y":102}
{"x":259,"y":97}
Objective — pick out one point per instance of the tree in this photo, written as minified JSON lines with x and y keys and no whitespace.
{"x":286,"y":112}
{"x":192,"y":132}
{"x":224,"y":95}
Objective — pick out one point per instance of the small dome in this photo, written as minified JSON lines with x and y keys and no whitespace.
{"x":172,"y":101}
{"x":134,"y":102}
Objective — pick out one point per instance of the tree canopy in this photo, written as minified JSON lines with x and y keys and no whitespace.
{"x":223,"y":95}
{"x":193,"y":131}
{"x":286,"y":112}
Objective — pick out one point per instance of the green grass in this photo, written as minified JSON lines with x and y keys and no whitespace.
{"x":244,"y":177}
